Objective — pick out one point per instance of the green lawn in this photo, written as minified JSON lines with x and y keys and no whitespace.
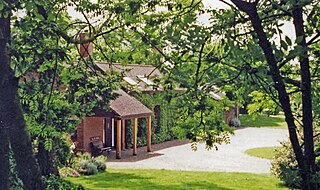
{"x":276,"y":121}
{"x":166,"y":179}
{"x":262,"y":152}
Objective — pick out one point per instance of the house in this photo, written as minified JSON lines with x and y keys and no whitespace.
{"x":110,"y":127}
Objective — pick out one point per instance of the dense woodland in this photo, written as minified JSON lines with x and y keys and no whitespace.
{"x":242,"y":50}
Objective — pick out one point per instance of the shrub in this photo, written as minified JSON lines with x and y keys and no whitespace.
{"x":285,"y":166}
{"x":84,"y":156}
{"x":68,"y":172}
{"x":88,"y":165}
{"x":63,"y":151}
{"x":100,"y":162}
{"x":57,"y":183}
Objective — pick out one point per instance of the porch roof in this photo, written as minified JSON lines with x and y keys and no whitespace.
{"x":126,"y":106}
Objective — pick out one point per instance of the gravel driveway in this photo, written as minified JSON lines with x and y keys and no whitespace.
{"x":229,"y":158}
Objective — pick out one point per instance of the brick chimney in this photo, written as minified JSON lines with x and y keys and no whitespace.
{"x":85,"y":48}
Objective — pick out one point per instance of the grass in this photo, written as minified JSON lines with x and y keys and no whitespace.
{"x":175,"y":180}
{"x":275,"y":121}
{"x":262,"y":152}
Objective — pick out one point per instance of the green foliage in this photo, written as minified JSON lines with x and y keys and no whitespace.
{"x":15,"y":182}
{"x":100,"y":162}
{"x":222,"y":54}
{"x":262,"y":103}
{"x":285,"y":166}
{"x":58,"y":183}
{"x":201,"y":118}
{"x":88,"y":165}
{"x":52,"y":110}
{"x":68,"y":172}
{"x":64,"y":153}
{"x":162,"y":129}
{"x":82,"y":156}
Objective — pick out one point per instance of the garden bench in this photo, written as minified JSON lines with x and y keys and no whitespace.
{"x":98,"y":148}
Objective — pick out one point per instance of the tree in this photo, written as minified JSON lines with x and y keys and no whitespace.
{"x":262,"y":103}
{"x":11,"y":116}
{"x":193,"y":61}
{"x":247,"y":42}
{"x":23,"y":44}
{"x":294,"y":10}
{"x":40,"y":41}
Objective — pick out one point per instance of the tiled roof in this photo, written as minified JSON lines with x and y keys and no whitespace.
{"x":131,"y":70}
{"x":126,"y":106}
{"x":142,"y":75}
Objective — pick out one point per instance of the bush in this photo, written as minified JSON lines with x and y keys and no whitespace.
{"x":68,"y":172}
{"x":57,"y":183}
{"x":63,"y":151}
{"x":88,"y":165}
{"x":100,"y":162}
{"x":285,"y":166}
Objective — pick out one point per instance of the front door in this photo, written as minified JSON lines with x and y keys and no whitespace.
{"x":107,"y":132}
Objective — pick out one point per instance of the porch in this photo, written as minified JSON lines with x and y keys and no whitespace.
{"x":110,"y":127}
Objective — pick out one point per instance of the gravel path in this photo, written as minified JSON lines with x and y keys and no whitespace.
{"x":229,"y":158}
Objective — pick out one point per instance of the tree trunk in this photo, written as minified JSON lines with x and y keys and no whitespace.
{"x":306,"y":98}
{"x":4,"y":158}
{"x":11,"y":115}
{"x":283,"y":98}
{"x":279,"y":85}
{"x":45,"y":160}
{"x":306,"y":165}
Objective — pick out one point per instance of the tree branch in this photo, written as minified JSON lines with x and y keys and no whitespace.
{"x":292,"y":81}
{"x":314,"y":39}
{"x":246,"y":6}
{"x":72,"y":40}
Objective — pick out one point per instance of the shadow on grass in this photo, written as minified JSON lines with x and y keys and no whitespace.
{"x":281,"y":185}
{"x":262,"y":121}
{"x":110,"y":180}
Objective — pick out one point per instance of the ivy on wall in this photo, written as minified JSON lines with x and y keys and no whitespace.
{"x":162,"y":128}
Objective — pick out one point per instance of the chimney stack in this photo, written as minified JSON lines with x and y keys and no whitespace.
{"x":85,"y":48}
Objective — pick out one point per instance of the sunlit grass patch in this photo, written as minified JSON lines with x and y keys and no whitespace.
{"x":262,"y":152}
{"x":176,"y":180}
{"x":275,"y":121}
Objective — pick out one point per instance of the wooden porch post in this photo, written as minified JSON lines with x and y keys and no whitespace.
{"x":135,"y":130}
{"x":123,"y":146}
{"x":118,"y":150}
{"x":149,"y":149}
